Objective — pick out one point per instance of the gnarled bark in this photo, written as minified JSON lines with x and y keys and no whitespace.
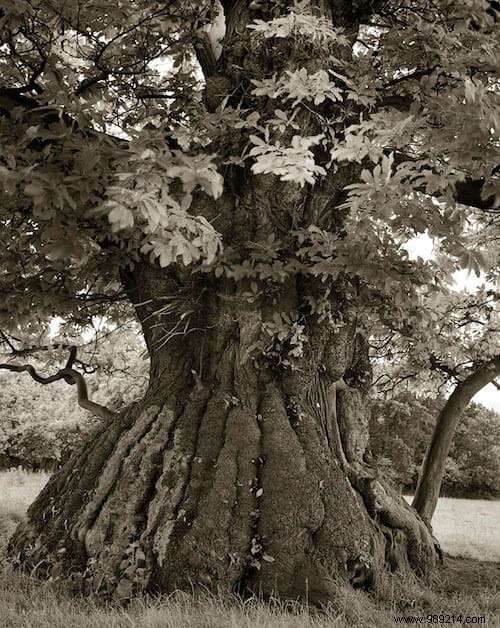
{"x":232,"y":472}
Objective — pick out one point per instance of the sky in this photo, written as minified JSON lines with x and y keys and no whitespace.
{"x":489,"y":396}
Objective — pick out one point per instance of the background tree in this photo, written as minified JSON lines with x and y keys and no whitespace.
{"x":473,"y":466}
{"x":400,"y":429}
{"x":400,"y":432}
{"x":431,"y":476}
{"x":255,"y":217}
{"x":458,"y":348}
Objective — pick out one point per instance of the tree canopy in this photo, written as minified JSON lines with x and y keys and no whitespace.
{"x":400,"y":430}
{"x":113,"y":120}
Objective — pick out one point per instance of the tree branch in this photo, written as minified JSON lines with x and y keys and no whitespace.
{"x":467,"y":192}
{"x":431,"y":475}
{"x":15,"y":352}
{"x":416,"y":74}
{"x":70,"y":376}
{"x":438,"y":365}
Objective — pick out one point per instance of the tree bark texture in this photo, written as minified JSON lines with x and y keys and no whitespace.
{"x":235,"y":471}
{"x":431,"y":474}
{"x":231,"y":473}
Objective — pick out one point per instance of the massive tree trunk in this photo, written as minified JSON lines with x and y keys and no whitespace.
{"x":431,"y":474}
{"x":243,"y":467}
{"x":232,"y":472}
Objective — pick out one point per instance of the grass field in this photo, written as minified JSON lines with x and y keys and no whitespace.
{"x":462,"y":586}
{"x":17,"y":490}
{"x":468,"y":527}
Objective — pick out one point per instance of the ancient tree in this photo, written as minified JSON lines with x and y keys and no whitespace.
{"x":245,"y":175}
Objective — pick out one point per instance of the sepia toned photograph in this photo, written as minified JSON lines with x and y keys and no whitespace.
{"x":249,"y":313}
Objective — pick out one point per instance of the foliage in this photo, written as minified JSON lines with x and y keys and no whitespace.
{"x":109,"y":152}
{"x":462,"y":333}
{"x":475,"y":454}
{"x":35,"y":425}
{"x":400,"y":430}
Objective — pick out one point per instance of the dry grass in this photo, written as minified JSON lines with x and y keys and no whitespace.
{"x":31,"y":604}
{"x":462,"y":586}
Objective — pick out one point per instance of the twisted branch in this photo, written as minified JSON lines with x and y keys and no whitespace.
{"x":70,"y":376}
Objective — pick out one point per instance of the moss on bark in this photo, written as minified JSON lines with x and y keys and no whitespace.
{"x":233,"y":480}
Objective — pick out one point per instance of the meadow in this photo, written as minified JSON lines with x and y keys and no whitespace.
{"x":18,"y":489}
{"x":467,"y":584}
{"x":468,"y":528}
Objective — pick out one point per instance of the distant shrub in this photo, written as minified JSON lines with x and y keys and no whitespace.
{"x":41,"y":446}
